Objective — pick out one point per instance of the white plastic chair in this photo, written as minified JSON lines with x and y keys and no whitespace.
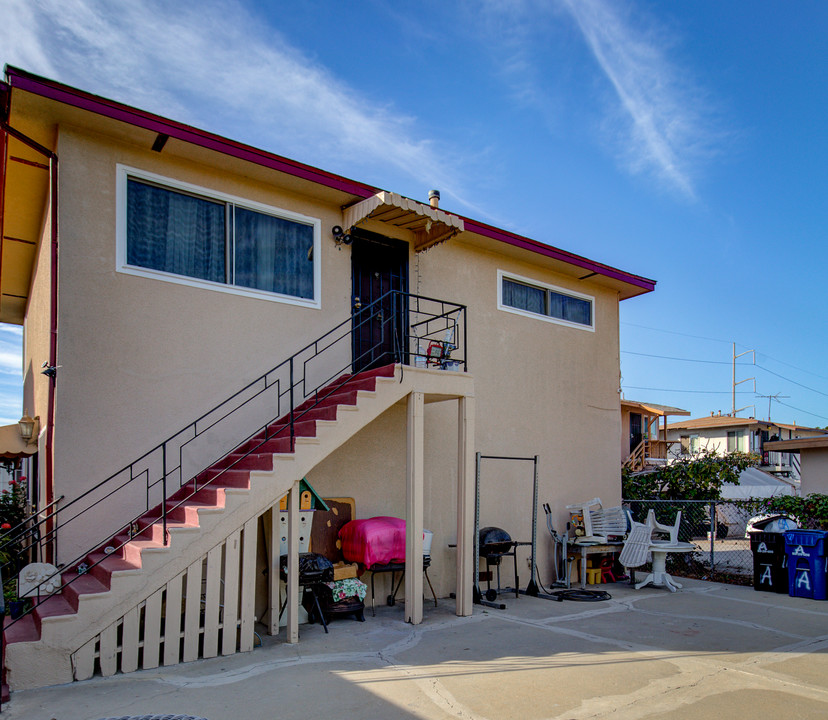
{"x":671,"y":530}
{"x":637,"y":546}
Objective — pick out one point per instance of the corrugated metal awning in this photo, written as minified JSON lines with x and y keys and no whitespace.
{"x":429,"y":225}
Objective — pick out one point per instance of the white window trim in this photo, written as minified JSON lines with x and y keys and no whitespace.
{"x":123,"y":172}
{"x":502,"y":274}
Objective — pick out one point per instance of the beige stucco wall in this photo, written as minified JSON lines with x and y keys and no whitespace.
{"x":541,"y":389}
{"x":141,"y":358}
{"x":814,"y":478}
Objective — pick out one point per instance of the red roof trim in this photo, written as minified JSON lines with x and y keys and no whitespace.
{"x":140,"y":118}
{"x":149,"y":121}
{"x":549,"y":251}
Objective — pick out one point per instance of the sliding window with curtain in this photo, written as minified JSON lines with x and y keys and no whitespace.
{"x":222,"y":242}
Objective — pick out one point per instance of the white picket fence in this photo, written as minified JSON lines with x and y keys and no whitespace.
{"x":204,"y":611}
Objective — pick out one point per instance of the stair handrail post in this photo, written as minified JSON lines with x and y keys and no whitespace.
{"x":292,"y":409}
{"x":465,"y":340}
{"x":2,"y":634}
{"x":164,"y":490}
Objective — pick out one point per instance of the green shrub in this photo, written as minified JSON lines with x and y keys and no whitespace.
{"x":810,"y":512}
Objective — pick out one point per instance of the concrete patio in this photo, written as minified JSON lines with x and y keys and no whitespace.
{"x":707,"y":651}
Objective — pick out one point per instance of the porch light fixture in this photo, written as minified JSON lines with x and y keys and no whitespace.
{"x":340,"y":236}
{"x":27,"y":427}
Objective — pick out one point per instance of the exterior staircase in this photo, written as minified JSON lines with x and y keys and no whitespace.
{"x":140,"y":602}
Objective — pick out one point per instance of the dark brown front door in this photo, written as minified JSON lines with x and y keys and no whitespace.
{"x":636,"y":435}
{"x":378,"y":266}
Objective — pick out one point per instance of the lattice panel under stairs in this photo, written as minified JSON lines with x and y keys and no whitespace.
{"x":205,"y":611}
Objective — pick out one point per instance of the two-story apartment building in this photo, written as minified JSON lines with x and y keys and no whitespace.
{"x":186,"y":300}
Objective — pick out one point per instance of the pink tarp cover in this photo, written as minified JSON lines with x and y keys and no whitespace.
{"x":375,"y":541}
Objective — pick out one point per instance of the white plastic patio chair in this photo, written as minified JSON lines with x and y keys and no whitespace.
{"x":637,"y":546}
{"x":671,"y":530}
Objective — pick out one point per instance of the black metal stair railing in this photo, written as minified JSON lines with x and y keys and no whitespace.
{"x":396,"y":328}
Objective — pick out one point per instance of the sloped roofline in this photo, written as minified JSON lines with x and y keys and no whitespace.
{"x":720,"y":421}
{"x":65,"y":94}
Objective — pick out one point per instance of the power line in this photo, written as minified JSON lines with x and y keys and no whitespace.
{"x":667,"y":357}
{"x":819,"y":392}
{"x":728,"y":342}
{"x":822,"y":417}
{"x":701,"y":392}
{"x":782,"y":362}
{"x":723,"y":362}
{"x":675,"y":332}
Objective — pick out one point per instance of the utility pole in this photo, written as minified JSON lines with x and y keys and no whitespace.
{"x":733,"y":395}
{"x":772,"y":397}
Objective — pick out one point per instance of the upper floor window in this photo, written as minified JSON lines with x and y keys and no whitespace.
{"x":734,"y":440}
{"x":188,"y":234}
{"x":529,"y":297}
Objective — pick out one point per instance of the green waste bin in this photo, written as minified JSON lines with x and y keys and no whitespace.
{"x":770,"y":562}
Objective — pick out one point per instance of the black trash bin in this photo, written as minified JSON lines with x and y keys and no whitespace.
{"x":770,"y":561}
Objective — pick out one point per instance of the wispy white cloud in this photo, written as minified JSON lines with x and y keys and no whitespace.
{"x":9,"y":361}
{"x":666,"y":114}
{"x":655,"y":119}
{"x":213,"y":64}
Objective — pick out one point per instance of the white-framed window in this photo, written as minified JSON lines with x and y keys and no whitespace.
{"x":182,"y":233}
{"x":523,"y":296}
{"x":734,"y":440}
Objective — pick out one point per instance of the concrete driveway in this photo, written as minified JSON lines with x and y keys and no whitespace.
{"x":707,"y":651}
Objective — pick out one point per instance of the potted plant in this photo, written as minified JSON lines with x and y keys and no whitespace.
{"x":13,"y":507}
{"x":15,"y":607}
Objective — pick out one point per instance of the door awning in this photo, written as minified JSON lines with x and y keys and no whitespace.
{"x":12,"y":445}
{"x":429,"y":225}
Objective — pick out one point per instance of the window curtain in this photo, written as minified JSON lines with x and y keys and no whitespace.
{"x":273,"y":254}
{"x":524,"y":297}
{"x":175,"y":233}
{"x":569,"y":308}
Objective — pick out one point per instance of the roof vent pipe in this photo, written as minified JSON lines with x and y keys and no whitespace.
{"x":434,"y":198}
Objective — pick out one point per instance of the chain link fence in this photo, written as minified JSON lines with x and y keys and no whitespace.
{"x":717,"y":528}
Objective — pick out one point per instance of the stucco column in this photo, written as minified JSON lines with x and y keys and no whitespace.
{"x":414,"y":511}
{"x":273,"y":593}
{"x":465,"y":506}
{"x":292,"y":589}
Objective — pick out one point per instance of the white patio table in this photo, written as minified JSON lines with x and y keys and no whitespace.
{"x":659,"y":577}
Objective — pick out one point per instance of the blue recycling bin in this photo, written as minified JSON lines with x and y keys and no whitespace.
{"x":807,"y":563}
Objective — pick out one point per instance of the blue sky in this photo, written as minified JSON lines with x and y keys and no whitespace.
{"x":685,"y":142}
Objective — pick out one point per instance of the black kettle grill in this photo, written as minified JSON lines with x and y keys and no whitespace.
{"x":495,"y":544}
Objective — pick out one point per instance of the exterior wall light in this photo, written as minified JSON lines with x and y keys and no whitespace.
{"x":340,"y":236}
{"x":27,"y":427}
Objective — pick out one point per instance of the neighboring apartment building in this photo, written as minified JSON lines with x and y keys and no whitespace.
{"x":644,"y":433}
{"x":813,"y":451}
{"x":725,"y":433}
{"x":158,"y":270}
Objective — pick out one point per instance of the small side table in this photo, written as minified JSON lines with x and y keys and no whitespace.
{"x":659,"y":577}
{"x":577,"y":550}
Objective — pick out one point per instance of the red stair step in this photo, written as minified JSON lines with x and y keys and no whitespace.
{"x":55,"y":606}
{"x":228,"y":478}
{"x":255,"y":460}
{"x":24,"y":629}
{"x":74,"y":586}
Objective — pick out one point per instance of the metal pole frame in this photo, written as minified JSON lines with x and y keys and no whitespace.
{"x":532,"y":588}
